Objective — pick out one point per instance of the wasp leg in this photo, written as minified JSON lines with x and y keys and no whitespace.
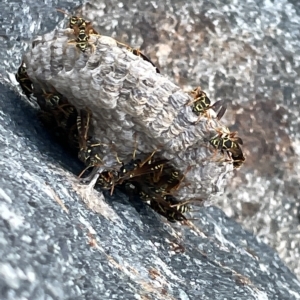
{"x":92,"y":178}
{"x":148,"y":159}
{"x":137,"y":52}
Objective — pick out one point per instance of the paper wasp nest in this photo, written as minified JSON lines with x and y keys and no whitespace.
{"x":132,"y":106}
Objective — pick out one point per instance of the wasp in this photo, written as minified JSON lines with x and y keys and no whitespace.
{"x":165,"y":205}
{"x":88,"y":149}
{"x":82,"y":30}
{"x":89,"y":155}
{"x":59,"y":117}
{"x":137,"y":52}
{"x":169,"y":181}
{"x":226,"y":140}
{"x":24,"y":80}
{"x":229,"y":142}
{"x":201,"y":104}
{"x":136,"y":168}
{"x":107,"y":180}
{"x":175,"y":210}
{"x":66,"y":116}
{"x":133,"y":169}
{"x":79,"y":22}
{"x":50,"y":101}
{"x":53,"y":101}
{"x":82,"y":38}
{"x":166,"y":210}
{"x":89,"y":152}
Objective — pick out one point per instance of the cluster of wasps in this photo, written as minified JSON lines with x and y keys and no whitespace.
{"x":228,"y":143}
{"x":83,"y":29}
{"x":152,"y":179}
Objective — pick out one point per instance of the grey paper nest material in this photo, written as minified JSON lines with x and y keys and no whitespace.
{"x":132,"y":106}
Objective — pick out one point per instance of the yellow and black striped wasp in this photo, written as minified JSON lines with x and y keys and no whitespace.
{"x":172,"y":214}
{"x":82,"y":30}
{"x":229,"y":142}
{"x":24,"y":80}
{"x":157,"y":194}
{"x":201,"y":104}
{"x":88,"y":148}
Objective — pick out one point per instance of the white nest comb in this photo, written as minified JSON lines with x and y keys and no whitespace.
{"x":132,"y":106}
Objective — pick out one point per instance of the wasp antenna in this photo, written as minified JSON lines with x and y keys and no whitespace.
{"x":137,"y":52}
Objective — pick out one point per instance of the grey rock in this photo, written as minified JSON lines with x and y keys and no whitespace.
{"x":48,"y":253}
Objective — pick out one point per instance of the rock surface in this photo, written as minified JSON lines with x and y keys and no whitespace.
{"x":57,"y":242}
